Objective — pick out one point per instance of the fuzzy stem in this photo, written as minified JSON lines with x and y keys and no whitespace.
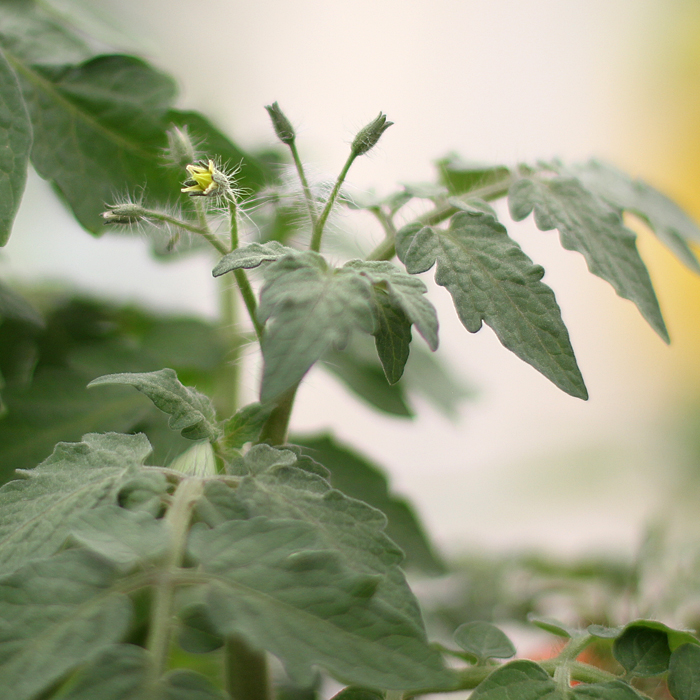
{"x":203,"y":231}
{"x":177,"y":521}
{"x":318,"y":228}
{"x":247,"y":674}
{"x":233,"y":342}
{"x":310,"y":203}
{"x":274,"y":431}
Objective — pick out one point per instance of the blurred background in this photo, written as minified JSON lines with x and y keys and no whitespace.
{"x":522,"y":465}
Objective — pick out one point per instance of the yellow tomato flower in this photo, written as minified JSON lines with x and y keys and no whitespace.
{"x":205,"y":181}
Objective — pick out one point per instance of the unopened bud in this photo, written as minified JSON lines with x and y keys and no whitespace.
{"x":367,"y":138}
{"x":127,"y":213}
{"x":180,"y":148}
{"x":282,"y":126}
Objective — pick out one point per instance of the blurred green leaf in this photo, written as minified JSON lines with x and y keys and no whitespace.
{"x":357,"y":477}
{"x":16,"y":307}
{"x":484,"y":640}
{"x":684,"y":672}
{"x":491,"y":280}
{"x":15,"y":144}
{"x":99,"y":132}
{"x":552,"y":626}
{"x":517,"y":680}
{"x":461,"y":177}
{"x":57,"y":614}
{"x":592,"y":227}
{"x":663,"y":216}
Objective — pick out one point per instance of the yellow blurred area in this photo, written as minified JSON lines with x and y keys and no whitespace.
{"x":664,"y":149}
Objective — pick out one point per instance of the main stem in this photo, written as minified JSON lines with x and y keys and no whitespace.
{"x":177,"y":521}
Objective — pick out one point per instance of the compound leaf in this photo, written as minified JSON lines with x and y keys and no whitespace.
{"x":308,"y":308}
{"x":275,"y":585}
{"x":56,"y":614}
{"x":191,"y":412}
{"x":15,"y":144}
{"x":592,"y":227}
{"x":38,"y":510}
{"x":491,"y":280}
{"x":663,"y":216}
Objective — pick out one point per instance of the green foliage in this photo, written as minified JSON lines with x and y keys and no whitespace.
{"x":121,"y":581}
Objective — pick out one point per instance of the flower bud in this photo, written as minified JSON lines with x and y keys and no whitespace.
{"x":282,"y":126}
{"x":180,"y":148}
{"x":126,"y":213}
{"x":367,"y":138}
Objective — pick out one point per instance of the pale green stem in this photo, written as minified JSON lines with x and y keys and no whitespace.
{"x":177,"y":521}
{"x":228,"y":398}
{"x":275,"y":430}
{"x":310,"y":203}
{"x":242,"y":280}
{"x":318,"y":228}
{"x":201,"y":230}
{"x":386,"y":249}
{"x":247,"y":674}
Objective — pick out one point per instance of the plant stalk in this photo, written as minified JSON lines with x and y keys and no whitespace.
{"x":275,"y":430}
{"x":246,"y":672}
{"x":310,"y":203}
{"x":177,"y":521}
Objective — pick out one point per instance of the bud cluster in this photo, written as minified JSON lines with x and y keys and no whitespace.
{"x":125,"y":213}
{"x":282,"y":126}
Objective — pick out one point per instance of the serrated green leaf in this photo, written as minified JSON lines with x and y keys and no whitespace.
{"x":612,"y":690}
{"x":251,"y":256}
{"x":517,"y":680}
{"x":308,"y":308}
{"x":191,"y":412}
{"x":552,"y":626}
{"x":484,"y":640}
{"x":642,"y":651}
{"x":276,"y":587}
{"x":392,"y":336}
{"x":124,"y":537}
{"x":592,"y":227}
{"x":56,"y":614}
{"x":38,"y":510}
{"x":15,"y":144}
{"x":406,"y":292}
{"x":357,"y":366}
{"x":684,"y":672}
{"x":245,"y":425}
{"x":355,"y":476}
{"x":462,"y":177}
{"x":491,"y":280}
{"x":119,"y":673}
{"x":99,"y":131}
{"x":663,"y":216}
{"x":280,"y":486}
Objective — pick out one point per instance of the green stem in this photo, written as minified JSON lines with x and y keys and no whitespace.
{"x":488,"y":193}
{"x":275,"y":430}
{"x":387,"y":248}
{"x":203,"y":231}
{"x":228,"y":401}
{"x":247,"y":675}
{"x":318,"y":228}
{"x":233,"y":223}
{"x":574,"y":647}
{"x":177,"y":520}
{"x":310,"y":203}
